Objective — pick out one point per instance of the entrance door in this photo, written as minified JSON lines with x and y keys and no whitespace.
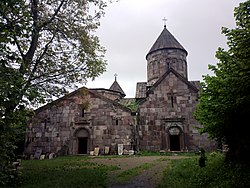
{"x":82,"y":145}
{"x":174,"y":142}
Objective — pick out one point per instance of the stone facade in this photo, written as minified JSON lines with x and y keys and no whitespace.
{"x":89,"y":118}
{"x":166,"y":116}
{"x":79,"y":122}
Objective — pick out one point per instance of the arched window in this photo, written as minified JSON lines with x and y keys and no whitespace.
{"x":172,"y":101}
{"x":83,"y":112}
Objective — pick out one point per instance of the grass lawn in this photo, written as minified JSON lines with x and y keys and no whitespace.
{"x":70,"y":171}
{"x":187,"y":173}
{"x":77,"y":171}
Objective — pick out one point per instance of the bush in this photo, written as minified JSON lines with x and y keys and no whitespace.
{"x":187,"y":173}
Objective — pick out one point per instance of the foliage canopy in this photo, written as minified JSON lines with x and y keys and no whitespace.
{"x":46,"y":47}
{"x":224,"y":104}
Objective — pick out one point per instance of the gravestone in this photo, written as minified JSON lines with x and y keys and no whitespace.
{"x":31,"y":157}
{"x":125,"y":152}
{"x":131,"y":152}
{"x":42,"y":157}
{"x":96,"y":151}
{"x":120,"y":149}
{"x":38,"y":153}
{"x":106,"y":150}
{"x":51,"y":155}
{"x":113,"y":150}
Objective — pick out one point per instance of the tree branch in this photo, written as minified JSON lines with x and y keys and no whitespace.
{"x":50,"y":75}
{"x":37,"y":62}
{"x":34,"y":41}
{"x":14,"y":36}
{"x":53,"y":16}
{"x":19,"y":47}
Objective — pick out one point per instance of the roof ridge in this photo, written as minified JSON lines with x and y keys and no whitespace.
{"x":194,"y":88}
{"x":54,"y":102}
{"x":75,"y":92}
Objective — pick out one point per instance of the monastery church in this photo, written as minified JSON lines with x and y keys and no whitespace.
{"x":160,"y":117}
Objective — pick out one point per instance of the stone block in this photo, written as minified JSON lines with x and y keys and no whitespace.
{"x":106,"y":150}
{"x":38,"y":153}
{"x":38,"y":135}
{"x":42,"y":157}
{"x":120,"y":149}
{"x":96,"y":151}
{"x":51,"y":155}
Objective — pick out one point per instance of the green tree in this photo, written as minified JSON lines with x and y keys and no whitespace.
{"x":224,"y":104}
{"x":46,"y":48}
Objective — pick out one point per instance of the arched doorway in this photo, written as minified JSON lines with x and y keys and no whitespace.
{"x":83,"y":140}
{"x":174,"y":139}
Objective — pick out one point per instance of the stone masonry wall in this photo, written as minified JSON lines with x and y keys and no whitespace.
{"x":170,"y":102}
{"x":54,"y":128}
{"x":159,"y":62}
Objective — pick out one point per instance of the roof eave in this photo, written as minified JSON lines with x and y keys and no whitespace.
{"x":150,"y":52}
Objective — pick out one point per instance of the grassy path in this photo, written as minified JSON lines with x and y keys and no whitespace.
{"x":104,"y":171}
{"x":143,"y":171}
{"x":148,"y":178}
{"x":133,"y":171}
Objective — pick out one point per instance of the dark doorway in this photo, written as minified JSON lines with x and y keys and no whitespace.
{"x":82,"y":145}
{"x":174,"y":142}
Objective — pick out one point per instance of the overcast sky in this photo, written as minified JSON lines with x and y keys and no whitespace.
{"x":130,"y":27}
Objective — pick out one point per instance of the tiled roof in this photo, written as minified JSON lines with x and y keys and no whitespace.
{"x":141,"y":89}
{"x":166,"y":41}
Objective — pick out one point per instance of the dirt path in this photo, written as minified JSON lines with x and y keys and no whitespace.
{"x":148,"y":178}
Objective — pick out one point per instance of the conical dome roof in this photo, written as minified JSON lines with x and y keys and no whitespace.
{"x":166,"y":41}
{"x":116,"y":87}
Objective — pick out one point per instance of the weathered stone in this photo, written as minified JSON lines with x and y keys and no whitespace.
{"x":131,"y":152}
{"x":120,"y":149}
{"x":125,"y":152}
{"x":42,"y":157}
{"x":96,"y":151}
{"x":106,"y":150}
{"x":168,"y":101}
{"x":38,"y":153}
{"x":51,"y":155}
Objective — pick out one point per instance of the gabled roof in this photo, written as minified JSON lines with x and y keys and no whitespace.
{"x":166,"y":41}
{"x":189,"y":84}
{"x":116,"y":87}
{"x":110,"y":101}
{"x":80,"y":90}
{"x":143,"y":93}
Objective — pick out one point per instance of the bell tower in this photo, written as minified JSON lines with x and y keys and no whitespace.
{"x":165,"y":53}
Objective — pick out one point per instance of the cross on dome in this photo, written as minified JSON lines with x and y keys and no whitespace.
{"x":164,"y":21}
{"x":115,"y":76}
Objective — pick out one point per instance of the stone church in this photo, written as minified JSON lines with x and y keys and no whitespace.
{"x":160,"y":117}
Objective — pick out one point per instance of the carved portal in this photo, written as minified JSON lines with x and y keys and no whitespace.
{"x":174,"y":134}
{"x":82,"y":141}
